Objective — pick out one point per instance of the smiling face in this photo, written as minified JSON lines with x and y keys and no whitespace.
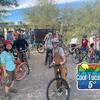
{"x":9,"y":46}
{"x":55,"y":45}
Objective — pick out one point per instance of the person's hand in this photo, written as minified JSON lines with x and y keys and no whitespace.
{"x":61,"y":63}
{"x":5,"y":75}
{"x":52,"y":63}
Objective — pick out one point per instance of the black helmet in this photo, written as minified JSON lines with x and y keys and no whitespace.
{"x":84,"y":35}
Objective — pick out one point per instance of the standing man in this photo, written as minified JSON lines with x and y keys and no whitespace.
{"x":48,"y":46}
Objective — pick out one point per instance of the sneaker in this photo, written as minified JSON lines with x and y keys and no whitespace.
{"x":13,"y":90}
{"x":66,"y":93}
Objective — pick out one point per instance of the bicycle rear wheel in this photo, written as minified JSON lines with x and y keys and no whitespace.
{"x":40,"y":48}
{"x":21,"y":71}
{"x":55,"y":92}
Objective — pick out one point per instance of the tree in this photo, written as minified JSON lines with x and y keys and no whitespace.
{"x":43,"y":14}
{"x":8,"y":3}
{"x":5,"y":4}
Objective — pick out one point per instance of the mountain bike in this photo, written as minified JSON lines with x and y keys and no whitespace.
{"x":23,"y":57}
{"x":58,"y":88}
{"x":79,"y":56}
{"x":20,"y":72}
{"x":40,"y":48}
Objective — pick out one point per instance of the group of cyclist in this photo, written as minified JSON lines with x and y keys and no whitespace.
{"x":8,"y":62}
{"x":53,"y":43}
{"x":91,"y":46}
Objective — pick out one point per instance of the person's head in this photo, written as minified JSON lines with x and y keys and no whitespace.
{"x":98,"y":35}
{"x":91,"y":45}
{"x":8,"y":45}
{"x":84,"y":36}
{"x":50,"y":35}
{"x":92,"y":34}
{"x":19,"y":36}
{"x":55,"y":42}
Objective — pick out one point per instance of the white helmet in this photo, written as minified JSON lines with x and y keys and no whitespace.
{"x":49,"y":33}
{"x":55,"y":40}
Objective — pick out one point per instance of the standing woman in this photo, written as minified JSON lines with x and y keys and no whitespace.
{"x":7,"y":61}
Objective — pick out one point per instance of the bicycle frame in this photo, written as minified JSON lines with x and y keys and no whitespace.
{"x":58,"y":73}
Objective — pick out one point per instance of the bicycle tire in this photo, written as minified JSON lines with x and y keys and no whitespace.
{"x":19,"y":75}
{"x":50,"y":59}
{"x":56,"y":79}
{"x":75,"y":59}
{"x":40,"y":48}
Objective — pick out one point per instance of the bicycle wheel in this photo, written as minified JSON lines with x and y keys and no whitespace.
{"x":40,"y":48}
{"x":76,"y":58}
{"x":21,"y":71}
{"x":61,"y":92}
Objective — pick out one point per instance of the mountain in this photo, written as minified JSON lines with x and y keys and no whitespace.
{"x":17,"y":15}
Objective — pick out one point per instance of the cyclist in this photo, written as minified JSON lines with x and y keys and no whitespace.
{"x":20,"y":43}
{"x":91,"y":41}
{"x":7,"y":61}
{"x":85,"y":43}
{"x":48,"y":46}
{"x":74,"y":41}
{"x":97,"y":46}
{"x":91,"y":53}
{"x":58,"y":57}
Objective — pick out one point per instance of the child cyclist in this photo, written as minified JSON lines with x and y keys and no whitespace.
{"x":7,"y":62}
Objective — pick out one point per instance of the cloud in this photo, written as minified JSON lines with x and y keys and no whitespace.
{"x":31,"y":3}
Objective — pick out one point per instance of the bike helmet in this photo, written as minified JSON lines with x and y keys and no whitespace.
{"x":6,"y":42}
{"x":55,"y":40}
{"x":84,"y":35}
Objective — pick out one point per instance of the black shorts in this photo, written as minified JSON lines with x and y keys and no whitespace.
{"x":10,"y":75}
{"x":10,"y":78}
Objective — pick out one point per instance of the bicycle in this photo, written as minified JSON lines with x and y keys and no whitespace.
{"x":21,"y":68}
{"x":59,"y":87}
{"x":79,"y":56}
{"x":20,"y":72}
{"x":40,"y":48}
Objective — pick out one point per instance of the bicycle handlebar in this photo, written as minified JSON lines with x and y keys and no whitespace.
{"x":55,"y":65}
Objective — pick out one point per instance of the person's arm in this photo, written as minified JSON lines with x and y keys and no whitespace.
{"x":3,"y":64}
{"x":26,"y":43}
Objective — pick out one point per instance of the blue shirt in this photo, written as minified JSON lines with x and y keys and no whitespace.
{"x":7,"y":59}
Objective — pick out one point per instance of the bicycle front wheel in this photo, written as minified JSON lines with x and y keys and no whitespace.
{"x":58,"y":89}
{"x":21,"y":71}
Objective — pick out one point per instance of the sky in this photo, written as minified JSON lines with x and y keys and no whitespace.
{"x":30,"y":3}
{"x":26,"y":4}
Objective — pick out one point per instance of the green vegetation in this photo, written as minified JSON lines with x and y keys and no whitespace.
{"x":83,"y":20}
{"x":81,"y":69}
{"x":8,"y":3}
